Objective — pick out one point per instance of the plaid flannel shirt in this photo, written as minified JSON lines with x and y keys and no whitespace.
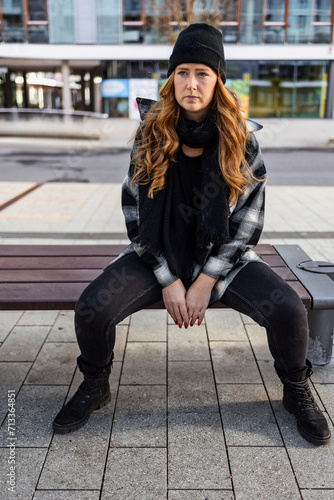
{"x":245,"y":221}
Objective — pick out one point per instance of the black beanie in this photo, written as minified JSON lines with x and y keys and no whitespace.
{"x":199,"y":43}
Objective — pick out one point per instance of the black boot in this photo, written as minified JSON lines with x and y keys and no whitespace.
{"x":298,"y":400}
{"x":92,"y":394}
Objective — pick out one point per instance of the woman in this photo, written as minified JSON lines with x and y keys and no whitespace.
{"x":193,"y":202}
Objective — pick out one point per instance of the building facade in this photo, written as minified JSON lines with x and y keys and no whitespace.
{"x":97,"y":55}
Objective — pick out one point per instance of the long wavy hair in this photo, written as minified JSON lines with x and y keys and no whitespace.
{"x":157,"y":141}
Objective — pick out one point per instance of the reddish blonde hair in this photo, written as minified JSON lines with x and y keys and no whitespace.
{"x":157,"y":140}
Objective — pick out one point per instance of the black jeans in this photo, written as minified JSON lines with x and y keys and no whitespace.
{"x":129,"y":285}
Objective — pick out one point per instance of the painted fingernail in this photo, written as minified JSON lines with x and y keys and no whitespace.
{"x":180,"y":325}
{"x":186,"y":325}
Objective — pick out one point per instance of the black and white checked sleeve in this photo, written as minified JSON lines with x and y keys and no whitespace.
{"x":246,"y":220}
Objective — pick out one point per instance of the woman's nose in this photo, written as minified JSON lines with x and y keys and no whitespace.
{"x":191,"y":83}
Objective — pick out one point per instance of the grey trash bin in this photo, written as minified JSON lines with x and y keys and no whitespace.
{"x":321,"y":322}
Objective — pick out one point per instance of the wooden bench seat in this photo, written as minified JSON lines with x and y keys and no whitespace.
{"x":52,"y":277}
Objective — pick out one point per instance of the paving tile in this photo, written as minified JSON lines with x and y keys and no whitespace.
{"x":247,"y":416}
{"x":126,"y":320}
{"x":55,"y":364}
{"x":200,"y":494}
{"x":66,"y":495}
{"x":140,"y":417}
{"x":8,"y":319}
{"x":38,"y":318}
{"x":9,"y":190}
{"x":63,"y":328}
{"x":121,"y":334}
{"x":196,"y":451}
{"x":317,"y":494}
{"x":326,"y":393}
{"x":224,"y":325}
{"x":258,"y":339}
{"x":234,"y":363}
{"x":313,"y":466}
{"x":187,"y":344}
{"x":144,"y":363}
{"x":135,"y":473}
{"x":247,"y":320}
{"x":191,"y":387}
{"x":12,"y":377}
{"x":148,"y":326}
{"x":272,"y":383}
{"x":23,"y":343}
{"x":77,"y":460}
{"x":35,"y":409}
{"x":28,"y":463}
{"x":324,"y":374}
{"x":262,"y":473}
{"x":194,"y":424}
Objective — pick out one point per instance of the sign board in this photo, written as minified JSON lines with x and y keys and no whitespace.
{"x":141,"y":87}
{"x":115,"y":88}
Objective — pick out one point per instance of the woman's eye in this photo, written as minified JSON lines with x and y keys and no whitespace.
{"x":202,"y":74}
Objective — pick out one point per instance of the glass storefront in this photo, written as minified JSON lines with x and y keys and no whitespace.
{"x":288,"y":89}
{"x":294,"y":89}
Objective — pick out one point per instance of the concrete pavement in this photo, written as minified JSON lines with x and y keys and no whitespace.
{"x":195,"y":414}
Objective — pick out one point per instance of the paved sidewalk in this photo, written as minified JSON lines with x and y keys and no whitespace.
{"x":195,"y":414}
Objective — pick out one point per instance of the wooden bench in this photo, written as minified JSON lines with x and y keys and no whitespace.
{"x":52,"y":277}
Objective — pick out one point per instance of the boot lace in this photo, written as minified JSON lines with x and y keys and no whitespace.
{"x":304,"y":396}
{"x":83,"y":393}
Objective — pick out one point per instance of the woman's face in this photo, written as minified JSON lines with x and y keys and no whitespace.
{"x":194,"y":87}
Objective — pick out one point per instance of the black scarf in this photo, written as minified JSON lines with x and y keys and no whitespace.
{"x":160,"y":218}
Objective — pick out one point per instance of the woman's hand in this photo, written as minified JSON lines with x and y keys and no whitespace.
{"x":198,"y":297}
{"x":175,"y":303}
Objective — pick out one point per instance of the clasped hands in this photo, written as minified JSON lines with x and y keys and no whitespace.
{"x":187,"y":306}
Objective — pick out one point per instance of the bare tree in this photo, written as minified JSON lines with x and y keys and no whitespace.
{"x":168,"y":17}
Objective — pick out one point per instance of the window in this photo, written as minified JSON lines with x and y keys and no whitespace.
{"x":37,"y":21}
{"x":274,"y":22}
{"x":251,"y":21}
{"x":321,"y":23}
{"x":132,"y":10}
{"x":229,"y":15}
{"x":37,"y":10}
{"x":13,"y":25}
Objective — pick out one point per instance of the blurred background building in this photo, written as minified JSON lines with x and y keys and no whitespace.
{"x":97,"y":55}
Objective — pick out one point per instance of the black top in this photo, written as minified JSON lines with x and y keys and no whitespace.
{"x":186,"y":213}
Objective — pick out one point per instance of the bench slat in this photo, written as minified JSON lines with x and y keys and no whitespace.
{"x":49,"y":275}
{"x":83,"y":262}
{"x":303,"y":294}
{"x":83,"y":275}
{"x":43,"y":296}
{"x":53,"y":276}
{"x":274,"y":260}
{"x":80,"y":250}
{"x":59,"y":250}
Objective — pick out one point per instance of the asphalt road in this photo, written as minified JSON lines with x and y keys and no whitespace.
{"x":47,"y":164}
